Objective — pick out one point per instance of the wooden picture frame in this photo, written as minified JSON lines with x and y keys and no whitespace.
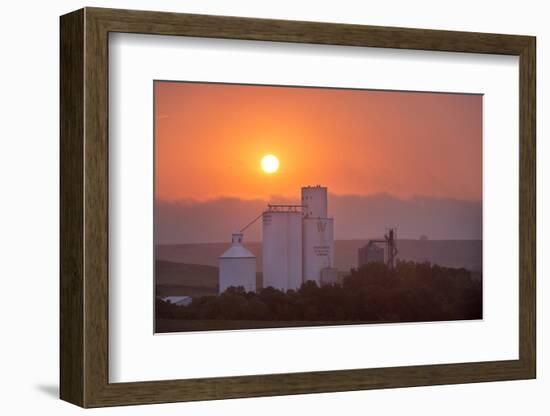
{"x":84,"y":207}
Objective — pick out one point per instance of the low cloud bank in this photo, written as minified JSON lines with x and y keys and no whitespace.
{"x":355,"y":217}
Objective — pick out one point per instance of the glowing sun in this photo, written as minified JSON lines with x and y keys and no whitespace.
{"x":270,"y":164}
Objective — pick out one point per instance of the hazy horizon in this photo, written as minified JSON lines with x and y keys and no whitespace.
{"x":343,"y":239}
{"x":355,"y":217}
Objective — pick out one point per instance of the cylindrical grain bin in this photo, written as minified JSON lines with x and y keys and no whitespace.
{"x":237,"y":266}
{"x":282,"y":248}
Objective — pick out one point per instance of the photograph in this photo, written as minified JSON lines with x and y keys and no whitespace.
{"x":280,"y":206}
{"x":277,"y":205}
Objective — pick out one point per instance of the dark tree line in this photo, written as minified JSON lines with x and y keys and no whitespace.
{"x":374,"y":293}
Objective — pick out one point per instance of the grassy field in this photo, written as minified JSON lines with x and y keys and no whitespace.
{"x":196,"y":275}
{"x":179,"y":279}
{"x":182,"y":279}
{"x":186,"y":325}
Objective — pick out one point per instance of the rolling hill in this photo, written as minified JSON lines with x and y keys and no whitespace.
{"x":173,"y":279}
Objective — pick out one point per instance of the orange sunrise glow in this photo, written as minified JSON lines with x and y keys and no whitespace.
{"x":209,"y":139}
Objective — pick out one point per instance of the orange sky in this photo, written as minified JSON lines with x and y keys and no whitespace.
{"x":210,"y":138}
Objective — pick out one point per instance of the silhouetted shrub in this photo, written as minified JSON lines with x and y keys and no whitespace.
{"x":374,"y":293}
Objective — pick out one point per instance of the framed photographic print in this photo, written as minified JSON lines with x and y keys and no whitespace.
{"x":255,"y":207}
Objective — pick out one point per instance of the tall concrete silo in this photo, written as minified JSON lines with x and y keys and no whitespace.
{"x":282,"y":247}
{"x":314,"y":201}
{"x":318,"y":233}
{"x":237,"y":266}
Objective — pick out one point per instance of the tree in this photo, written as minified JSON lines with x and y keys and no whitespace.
{"x":373,"y":293}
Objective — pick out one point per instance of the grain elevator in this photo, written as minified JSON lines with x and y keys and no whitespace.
{"x":297,"y":246}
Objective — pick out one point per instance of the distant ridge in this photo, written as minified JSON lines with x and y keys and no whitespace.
{"x":450,"y":253}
